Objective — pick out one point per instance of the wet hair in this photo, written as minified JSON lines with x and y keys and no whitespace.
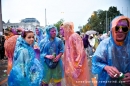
{"x":61,"y":24}
{"x":7,"y":31}
{"x":24,"y":33}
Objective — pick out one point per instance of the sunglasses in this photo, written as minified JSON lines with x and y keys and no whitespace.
{"x":125,"y":29}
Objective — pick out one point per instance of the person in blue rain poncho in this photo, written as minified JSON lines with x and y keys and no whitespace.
{"x":39,"y":35}
{"x":26,"y":70}
{"x":51,"y":49}
{"x":112,"y":56}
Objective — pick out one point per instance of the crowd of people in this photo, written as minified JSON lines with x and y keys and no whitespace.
{"x":35,"y":59}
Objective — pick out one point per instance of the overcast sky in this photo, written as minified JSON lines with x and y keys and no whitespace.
{"x":77,"y":11}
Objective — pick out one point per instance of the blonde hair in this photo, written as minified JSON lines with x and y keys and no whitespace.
{"x":69,"y":26}
{"x":68,"y":29}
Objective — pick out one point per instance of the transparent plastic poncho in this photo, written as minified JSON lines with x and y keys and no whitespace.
{"x":48,"y":47}
{"x":26,"y":70}
{"x":108,"y":53}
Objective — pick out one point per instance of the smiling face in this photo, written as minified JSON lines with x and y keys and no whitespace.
{"x":121,"y":30}
{"x":53,"y":33}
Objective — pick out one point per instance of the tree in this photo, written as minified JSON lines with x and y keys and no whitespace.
{"x":58,"y":24}
{"x":97,"y":21}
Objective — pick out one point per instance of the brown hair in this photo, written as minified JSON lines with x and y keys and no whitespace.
{"x":24,"y":33}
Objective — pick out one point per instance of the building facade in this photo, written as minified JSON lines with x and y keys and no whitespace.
{"x":27,"y":24}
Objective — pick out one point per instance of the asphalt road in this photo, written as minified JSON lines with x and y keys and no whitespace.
{"x":3,"y":72}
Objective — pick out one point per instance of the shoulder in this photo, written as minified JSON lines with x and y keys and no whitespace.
{"x":14,"y":37}
{"x":23,"y":50}
{"x":75,"y":36}
{"x":105,"y":41}
{"x":58,"y":39}
{"x":43,"y":40}
{"x":11,"y":42}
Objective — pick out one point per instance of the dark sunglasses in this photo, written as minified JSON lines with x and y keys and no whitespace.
{"x":125,"y":29}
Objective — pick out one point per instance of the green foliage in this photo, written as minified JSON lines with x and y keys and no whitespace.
{"x":97,"y":21}
{"x":58,"y":24}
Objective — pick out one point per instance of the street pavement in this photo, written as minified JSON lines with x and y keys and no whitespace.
{"x":3,"y":74}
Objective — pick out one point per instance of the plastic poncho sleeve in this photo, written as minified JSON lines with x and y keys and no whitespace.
{"x":42,"y":45}
{"x":26,"y":71}
{"x":99,"y":60}
{"x":77,"y":43}
{"x":61,"y":46}
{"x":18,"y":74}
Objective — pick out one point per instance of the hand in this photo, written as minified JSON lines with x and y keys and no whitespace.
{"x":42,"y":84}
{"x":112,"y":71}
{"x":49,"y":56}
{"x":36,"y":47}
{"x":56,"y":58}
{"x":126,"y":80}
{"x":93,"y":50}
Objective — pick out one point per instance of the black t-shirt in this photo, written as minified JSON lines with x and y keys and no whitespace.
{"x":2,"y":40}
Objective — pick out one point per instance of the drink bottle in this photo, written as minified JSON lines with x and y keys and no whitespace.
{"x":121,"y":76}
{"x":54,"y":54}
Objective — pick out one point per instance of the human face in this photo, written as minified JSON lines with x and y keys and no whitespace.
{"x":53,"y":33}
{"x":29,"y":38}
{"x":62,"y":31}
{"x":120,"y":34}
{"x":37,"y":31}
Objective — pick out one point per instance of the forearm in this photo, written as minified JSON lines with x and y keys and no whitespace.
{"x":47,"y":56}
{"x":42,"y":55}
{"x":96,"y":69}
{"x":60,"y":54}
